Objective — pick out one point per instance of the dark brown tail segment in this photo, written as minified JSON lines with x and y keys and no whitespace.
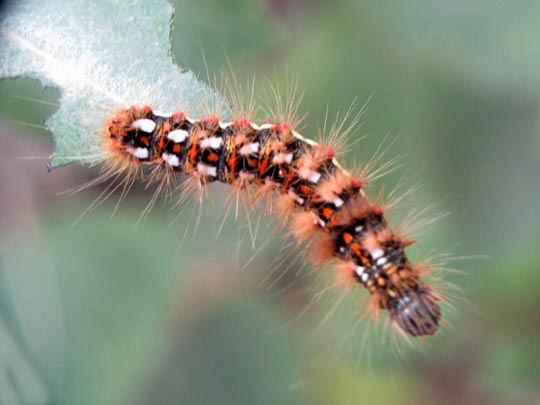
{"x":416,"y":311}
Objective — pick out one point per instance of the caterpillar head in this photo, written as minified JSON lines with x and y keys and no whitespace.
{"x":416,"y":311}
{"x":130,"y":132}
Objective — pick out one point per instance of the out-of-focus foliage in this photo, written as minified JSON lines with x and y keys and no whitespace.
{"x":108,"y":312}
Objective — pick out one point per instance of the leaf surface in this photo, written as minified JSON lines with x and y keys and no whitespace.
{"x":102,"y":55}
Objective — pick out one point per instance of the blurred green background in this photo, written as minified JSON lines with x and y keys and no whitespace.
{"x":109,"y":312}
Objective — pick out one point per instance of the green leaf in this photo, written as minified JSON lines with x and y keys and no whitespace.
{"x":103,"y":55}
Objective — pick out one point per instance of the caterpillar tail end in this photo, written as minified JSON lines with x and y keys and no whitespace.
{"x":416,"y":312}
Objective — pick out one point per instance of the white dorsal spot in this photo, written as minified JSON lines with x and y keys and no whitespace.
{"x":214,"y":142}
{"x":308,"y":174}
{"x":171,"y":159}
{"x":338,"y":202}
{"x":139,"y":153}
{"x":278,"y":159}
{"x":315,"y":176}
{"x":178,"y":135}
{"x":281,"y":158}
{"x":145,"y":125}
{"x":249,"y":149}
{"x":376,"y":253}
{"x":206,"y":170}
{"x":288,"y":157}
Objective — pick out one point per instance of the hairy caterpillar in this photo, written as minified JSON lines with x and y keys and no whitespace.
{"x":327,"y":204}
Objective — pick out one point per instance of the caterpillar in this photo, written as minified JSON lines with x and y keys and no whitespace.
{"x":328,"y":205}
